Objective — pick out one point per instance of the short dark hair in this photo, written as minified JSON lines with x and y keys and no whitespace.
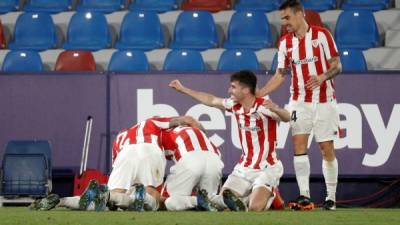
{"x":246,"y":78}
{"x":295,"y":5}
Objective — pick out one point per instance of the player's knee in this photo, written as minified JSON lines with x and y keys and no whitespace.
{"x":171,"y":204}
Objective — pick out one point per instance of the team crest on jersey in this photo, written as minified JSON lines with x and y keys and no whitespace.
{"x":315,"y":43}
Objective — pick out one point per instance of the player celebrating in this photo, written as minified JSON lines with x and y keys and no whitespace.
{"x":198,"y":164}
{"x":259,"y":169}
{"x":311,"y":55}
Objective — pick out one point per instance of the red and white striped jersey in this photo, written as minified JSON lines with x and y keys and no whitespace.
{"x":257,"y":134}
{"x":179,"y":141}
{"x":147,"y":131}
{"x":307,"y":57}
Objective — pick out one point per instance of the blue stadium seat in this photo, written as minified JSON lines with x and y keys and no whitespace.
{"x":262,"y":5}
{"x":141,"y":30}
{"x":26,"y":169}
{"x":248,"y":30}
{"x":356,"y":29}
{"x":8,"y":6}
{"x":128,"y":61}
{"x":49,"y":6}
{"x":373,"y":5}
{"x":184,"y":61}
{"x":195,"y":30}
{"x":159,"y":6}
{"x":103,"y":6}
{"x":234,"y":60}
{"x":353,"y":60}
{"x":88,"y":31}
{"x":34,"y":31}
{"x":320,"y":5}
{"x":22,"y":61}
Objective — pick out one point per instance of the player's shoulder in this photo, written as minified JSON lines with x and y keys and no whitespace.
{"x":320,"y":29}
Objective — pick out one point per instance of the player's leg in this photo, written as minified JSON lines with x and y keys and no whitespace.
{"x":326,"y":130}
{"x":301,"y":125}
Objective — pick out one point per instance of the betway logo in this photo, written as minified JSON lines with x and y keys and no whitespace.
{"x":384,"y":135}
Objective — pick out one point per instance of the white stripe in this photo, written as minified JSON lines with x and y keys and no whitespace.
{"x":162,"y":125}
{"x":266,"y":144}
{"x":139,"y":135}
{"x":324,"y":42}
{"x":255,"y":141}
{"x":181,"y":146}
{"x":193,"y":139}
{"x":208,"y":142}
{"x":312,"y":69}
{"x":282,"y":54}
{"x":242,"y":134}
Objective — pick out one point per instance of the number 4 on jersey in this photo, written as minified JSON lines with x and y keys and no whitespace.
{"x":293,"y":117}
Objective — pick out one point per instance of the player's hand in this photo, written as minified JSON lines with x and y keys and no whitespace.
{"x":270,"y":104}
{"x":176,"y":84}
{"x":314,"y":82}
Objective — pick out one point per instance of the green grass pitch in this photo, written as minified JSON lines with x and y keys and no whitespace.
{"x":21,"y":215}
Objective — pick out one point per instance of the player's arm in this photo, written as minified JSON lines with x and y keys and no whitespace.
{"x":334,"y":70}
{"x":273,"y":83}
{"x":279,"y":113}
{"x":204,"y":98}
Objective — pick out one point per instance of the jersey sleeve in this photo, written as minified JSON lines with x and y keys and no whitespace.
{"x":328,"y":44}
{"x":228,"y":104}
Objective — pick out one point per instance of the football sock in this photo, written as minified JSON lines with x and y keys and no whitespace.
{"x":218,"y":200}
{"x":70,"y":202}
{"x":151,"y":201}
{"x":302,"y":170}
{"x":178,"y":203}
{"x":330,"y":171}
{"x":120,"y":199}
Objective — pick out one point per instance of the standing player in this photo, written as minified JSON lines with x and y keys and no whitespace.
{"x":259,"y":169}
{"x":198,"y":164}
{"x":311,"y":55}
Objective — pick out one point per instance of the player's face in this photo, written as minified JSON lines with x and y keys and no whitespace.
{"x":237,"y":91}
{"x":292,"y":20}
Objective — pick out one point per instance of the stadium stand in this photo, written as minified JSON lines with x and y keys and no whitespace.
{"x":373,"y":5}
{"x":159,"y":6}
{"x":262,"y":5}
{"x":88,"y":31}
{"x":356,"y":29}
{"x":208,"y":5}
{"x":34,"y":31}
{"x":184,"y":61}
{"x":320,"y":5}
{"x":26,"y":171}
{"x":75,"y":60}
{"x":8,"y":6}
{"x":128,"y":61}
{"x":392,"y":38}
{"x":234,"y":60}
{"x":103,"y":6}
{"x":312,"y":18}
{"x":141,"y":30}
{"x":274,"y":62}
{"x":3,"y":43}
{"x":22,"y":61}
{"x":248,"y":30}
{"x":49,"y":6}
{"x":353,"y":60}
{"x":195,"y":30}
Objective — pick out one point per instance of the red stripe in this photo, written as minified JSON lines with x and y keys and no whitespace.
{"x":215,"y":149}
{"x":240,"y":138}
{"x":271,"y":149}
{"x":330,"y":41}
{"x":289,"y":45}
{"x":271,"y":129}
{"x":250,"y":149}
{"x":318,"y":65}
{"x":186,"y":139}
{"x":200,"y":139}
{"x":304,"y":68}
{"x":261,"y":140}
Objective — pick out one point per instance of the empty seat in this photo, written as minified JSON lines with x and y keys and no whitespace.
{"x":356,"y":29}
{"x":141,"y":30}
{"x":22,"y":61}
{"x":195,"y":30}
{"x":103,"y":6}
{"x":34,"y":31}
{"x":2,"y":38}
{"x":312,"y":18}
{"x":353,"y":60}
{"x":49,"y":6}
{"x":208,"y":5}
{"x":392,"y":38}
{"x":8,"y":6}
{"x":75,"y":60}
{"x":373,"y":5}
{"x":235,"y":60}
{"x":320,"y":5}
{"x":248,"y":30}
{"x":184,"y":61}
{"x":159,"y":6}
{"x":128,"y":61}
{"x":262,"y":5}
{"x":26,"y":169}
{"x":88,"y":31}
